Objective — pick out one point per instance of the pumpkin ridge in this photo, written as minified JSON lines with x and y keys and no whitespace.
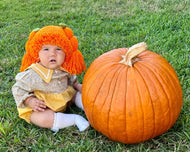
{"x":117,"y":74}
{"x":96,"y":70}
{"x":163,"y":89}
{"x":126,"y":111}
{"x":106,"y":99}
{"x":98,"y":93}
{"x":175,"y":79}
{"x":167,"y":99}
{"x":146,"y":85}
{"x":159,"y":59}
{"x":171,"y":118}
{"x":91,"y":89}
{"x":126,"y":105}
{"x":172,"y":86}
{"x":163,"y":93}
{"x":140,"y":99}
{"x":91,"y":85}
{"x":173,"y":75}
{"x":162,"y":64}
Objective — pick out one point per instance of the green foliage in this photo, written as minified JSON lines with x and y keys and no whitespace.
{"x":100,"y":26}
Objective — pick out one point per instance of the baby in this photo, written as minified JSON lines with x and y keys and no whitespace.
{"x":47,"y":82}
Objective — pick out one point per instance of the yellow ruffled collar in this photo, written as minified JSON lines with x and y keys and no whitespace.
{"x":45,"y":74}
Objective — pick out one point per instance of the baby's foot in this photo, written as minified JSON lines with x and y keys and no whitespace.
{"x":81,"y":123}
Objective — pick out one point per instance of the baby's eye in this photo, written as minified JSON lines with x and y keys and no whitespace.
{"x":46,"y":49}
{"x":58,"y":49}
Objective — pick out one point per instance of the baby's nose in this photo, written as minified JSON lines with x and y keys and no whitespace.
{"x":52,"y":52}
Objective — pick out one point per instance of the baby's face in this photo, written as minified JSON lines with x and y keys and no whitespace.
{"x":51,"y":56}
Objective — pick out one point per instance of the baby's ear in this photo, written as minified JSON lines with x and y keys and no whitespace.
{"x":34,"y":31}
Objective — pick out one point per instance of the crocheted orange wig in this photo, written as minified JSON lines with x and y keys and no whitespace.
{"x":61,"y":36}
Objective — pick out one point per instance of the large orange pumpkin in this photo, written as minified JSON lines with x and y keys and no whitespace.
{"x":131,"y":94}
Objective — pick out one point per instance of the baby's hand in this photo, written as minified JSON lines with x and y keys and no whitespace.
{"x":36,"y":104}
{"x":77,"y":86}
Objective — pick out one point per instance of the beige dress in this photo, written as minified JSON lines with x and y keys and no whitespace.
{"x":54,"y":87}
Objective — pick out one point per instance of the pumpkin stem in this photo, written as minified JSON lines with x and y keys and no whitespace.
{"x":131,"y":56}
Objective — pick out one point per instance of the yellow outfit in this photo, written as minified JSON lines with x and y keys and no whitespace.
{"x":41,"y":82}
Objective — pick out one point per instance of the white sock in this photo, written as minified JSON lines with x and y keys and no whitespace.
{"x":62,"y":120}
{"x":78,"y":100}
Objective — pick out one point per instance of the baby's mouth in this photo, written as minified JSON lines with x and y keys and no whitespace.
{"x":52,"y":61}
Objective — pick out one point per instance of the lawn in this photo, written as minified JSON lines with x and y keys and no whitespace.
{"x":100,"y":26}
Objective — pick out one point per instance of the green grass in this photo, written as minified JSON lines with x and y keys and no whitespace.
{"x":100,"y":26}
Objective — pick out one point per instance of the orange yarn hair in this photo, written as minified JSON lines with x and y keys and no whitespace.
{"x":61,"y":36}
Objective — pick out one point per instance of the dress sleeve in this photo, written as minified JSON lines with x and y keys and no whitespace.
{"x":72,"y":79}
{"x":22,"y":89}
